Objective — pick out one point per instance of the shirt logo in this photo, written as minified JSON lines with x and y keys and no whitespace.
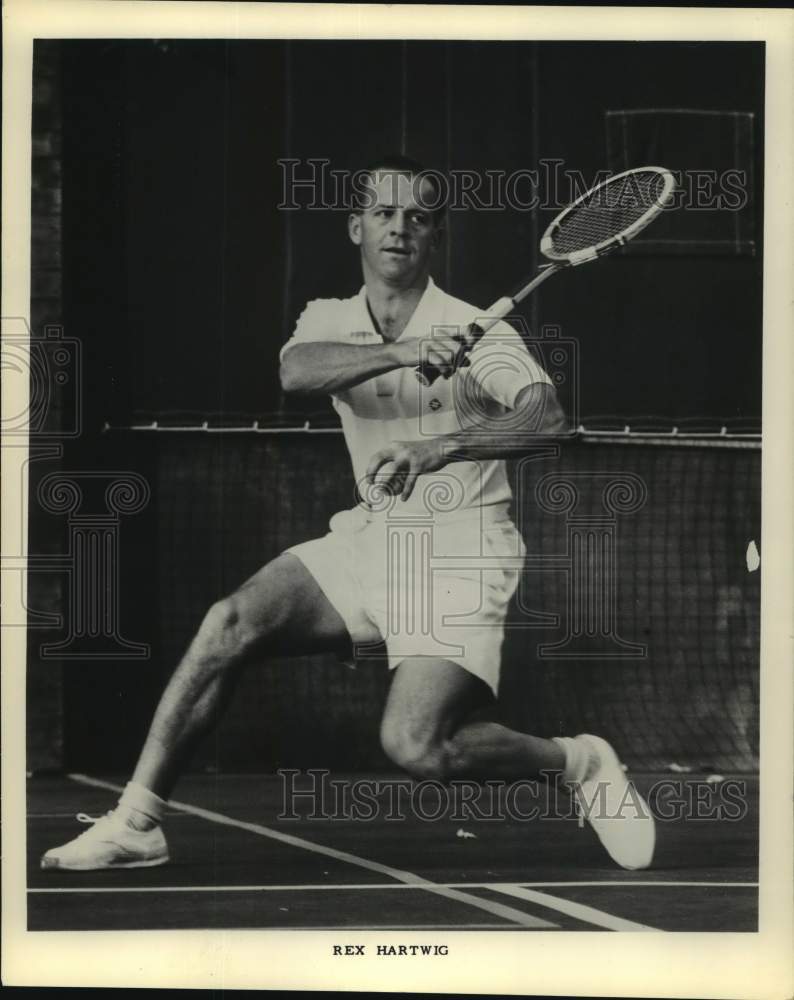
{"x":435,"y":404}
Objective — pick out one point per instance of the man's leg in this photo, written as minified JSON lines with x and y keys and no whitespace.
{"x":425,"y":731}
{"x":424,"y":728}
{"x":281,"y":609}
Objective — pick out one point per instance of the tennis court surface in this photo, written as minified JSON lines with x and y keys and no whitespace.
{"x":234,"y":864}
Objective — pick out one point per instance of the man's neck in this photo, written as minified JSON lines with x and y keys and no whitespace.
{"x":391,"y":307}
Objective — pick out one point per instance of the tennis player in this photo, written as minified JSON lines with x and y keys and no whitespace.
{"x":426,"y":459}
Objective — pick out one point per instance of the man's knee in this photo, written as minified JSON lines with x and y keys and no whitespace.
{"x":422,"y":756}
{"x":229,"y":629}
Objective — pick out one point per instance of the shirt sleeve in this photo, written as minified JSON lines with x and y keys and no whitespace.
{"x":502,"y":365}
{"x":315,"y":324}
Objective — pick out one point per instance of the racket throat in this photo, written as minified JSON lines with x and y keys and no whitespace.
{"x":583,"y":256}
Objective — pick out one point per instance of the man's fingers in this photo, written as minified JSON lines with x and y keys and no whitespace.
{"x":447,"y":344}
{"x":408,"y":485}
{"x":447,"y":354}
{"x":396,"y":468}
{"x":461,"y":360}
{"x":390,"y":478}
{"x":379,"y":459}
{"x":441,"y":356}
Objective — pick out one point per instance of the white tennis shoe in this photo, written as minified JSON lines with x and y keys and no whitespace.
{"x":109,"y":843}
{"x":613,"y":807}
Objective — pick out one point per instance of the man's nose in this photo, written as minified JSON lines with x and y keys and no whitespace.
{"x":398,"y":221}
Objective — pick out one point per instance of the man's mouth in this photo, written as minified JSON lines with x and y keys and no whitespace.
{"x":401,"y":251}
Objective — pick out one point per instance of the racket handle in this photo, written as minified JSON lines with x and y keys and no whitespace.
{"x":426,"y":373}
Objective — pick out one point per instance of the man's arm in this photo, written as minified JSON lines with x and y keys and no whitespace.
{"x":537,"y":411}
{"x":541,"y":415}
{"x":329,"y":367}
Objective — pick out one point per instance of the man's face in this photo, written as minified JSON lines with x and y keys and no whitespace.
{"x":396,"y":232}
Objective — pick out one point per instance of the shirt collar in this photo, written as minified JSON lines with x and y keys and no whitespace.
{"x":421,"y":322}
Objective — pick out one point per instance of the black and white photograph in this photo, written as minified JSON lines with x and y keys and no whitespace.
{"x":383,"y":530}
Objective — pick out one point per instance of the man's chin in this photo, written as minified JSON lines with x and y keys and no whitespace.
{"x":400,"y":270}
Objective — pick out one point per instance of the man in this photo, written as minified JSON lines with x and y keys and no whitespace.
{"x":426,"y":459}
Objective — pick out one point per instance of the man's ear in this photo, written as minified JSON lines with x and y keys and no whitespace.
{"x":438,"y":236}
{"x":354,"y":228}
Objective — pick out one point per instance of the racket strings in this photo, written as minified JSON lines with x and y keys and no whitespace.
{"x":609,"y":210}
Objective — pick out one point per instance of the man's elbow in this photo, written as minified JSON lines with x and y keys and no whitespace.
{"x":542,"y":411}
{"x":553,"y":418}
{"x":289,"y":376}
{"x":285,"y":377}
{"x":556,"y":421}
{"x":545,"y":415}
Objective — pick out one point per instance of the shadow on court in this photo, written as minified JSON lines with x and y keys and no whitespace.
{"x":234,"y":864}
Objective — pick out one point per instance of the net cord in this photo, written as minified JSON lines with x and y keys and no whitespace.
{"x":723,"y":438}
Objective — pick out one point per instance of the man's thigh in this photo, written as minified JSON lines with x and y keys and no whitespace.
{"x":285,"y":603}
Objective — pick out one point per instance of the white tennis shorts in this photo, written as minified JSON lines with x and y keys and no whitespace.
{"x":426,"y":587}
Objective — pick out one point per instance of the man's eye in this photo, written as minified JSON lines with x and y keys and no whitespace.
{"x":419,"y":219}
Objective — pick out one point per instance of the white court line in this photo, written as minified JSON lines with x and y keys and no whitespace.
{"x":70,"y":815}
{"x":628,"y":882}
{"x":589,"y":914}
{"x":343,"y":887}
{"x":495,"y":909}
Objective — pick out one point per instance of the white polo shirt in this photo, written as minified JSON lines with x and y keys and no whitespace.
{"x":396,"y":407}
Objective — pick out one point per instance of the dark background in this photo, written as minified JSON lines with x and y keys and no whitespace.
{"x":158,"y":244}
{"x":184,"y":277}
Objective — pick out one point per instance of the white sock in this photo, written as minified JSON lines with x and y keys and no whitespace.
{"x":578,"y":758}
{"x":140,"y":808}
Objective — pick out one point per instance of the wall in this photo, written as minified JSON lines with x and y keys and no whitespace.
{"x":45,"y":590}
{"x":214,"y":275}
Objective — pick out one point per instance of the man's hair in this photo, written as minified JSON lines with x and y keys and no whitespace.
{"x":399,"y":164}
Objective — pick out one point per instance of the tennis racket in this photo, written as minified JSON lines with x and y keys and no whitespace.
{"x":603,"y":218}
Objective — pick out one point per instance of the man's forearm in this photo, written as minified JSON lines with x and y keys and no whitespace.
{"x":475,"y":443}
{"x":328,"y":368}
{"x":542,"y":418}
{"x":539,"y":417}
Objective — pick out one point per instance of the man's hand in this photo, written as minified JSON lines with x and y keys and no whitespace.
{"x":407,"y":460}
{"x":445,"y":351}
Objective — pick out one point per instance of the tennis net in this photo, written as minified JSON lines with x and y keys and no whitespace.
{"x":669,"y":672}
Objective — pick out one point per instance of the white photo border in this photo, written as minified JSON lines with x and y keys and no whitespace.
{"x":590,"y":964}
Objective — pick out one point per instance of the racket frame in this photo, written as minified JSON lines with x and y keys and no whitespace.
{"x":599,"y":249}
{"x":427,"y":373}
